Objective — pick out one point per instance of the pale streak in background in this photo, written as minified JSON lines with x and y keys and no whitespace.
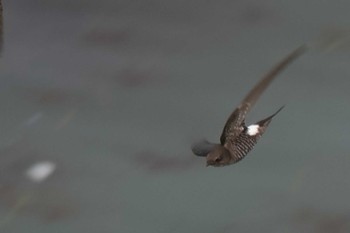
{"x":40,"y":171}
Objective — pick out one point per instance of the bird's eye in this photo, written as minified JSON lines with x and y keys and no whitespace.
{"x":218,"y":159}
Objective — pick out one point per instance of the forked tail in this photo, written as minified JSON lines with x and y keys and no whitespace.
{"x":267,"y":120}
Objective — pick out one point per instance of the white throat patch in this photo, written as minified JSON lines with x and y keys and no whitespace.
{"x":253,"y":130}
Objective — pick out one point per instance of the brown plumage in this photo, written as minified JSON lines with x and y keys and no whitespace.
{"x":237,"y":139}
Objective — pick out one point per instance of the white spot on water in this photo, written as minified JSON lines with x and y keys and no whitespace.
{"x":40,"y":171}
{"x":253,"y":130}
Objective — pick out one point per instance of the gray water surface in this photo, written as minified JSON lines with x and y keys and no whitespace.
{"x":114,"y":92}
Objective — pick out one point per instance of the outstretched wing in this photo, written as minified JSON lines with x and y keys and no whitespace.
{"x":243,"y":143}
{"x":234,"y":124}
{"x":202,"y":148}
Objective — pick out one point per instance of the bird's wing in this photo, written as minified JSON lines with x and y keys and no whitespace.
{"x":242,"y":144}
{"x":233,"y":126}
{"x":202,"y":148}
{"x":245,"y":141}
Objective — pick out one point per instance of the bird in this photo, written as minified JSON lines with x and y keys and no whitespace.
{"x":237,"y":139}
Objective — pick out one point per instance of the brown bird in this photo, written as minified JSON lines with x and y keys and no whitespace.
{"x":237,"y":139}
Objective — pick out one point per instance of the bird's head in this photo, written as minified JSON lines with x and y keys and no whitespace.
{"x":218,"y":157}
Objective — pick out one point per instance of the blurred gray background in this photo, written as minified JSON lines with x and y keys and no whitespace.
{"x":114,"y":93}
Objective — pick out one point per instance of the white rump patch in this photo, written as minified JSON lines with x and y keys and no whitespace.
{"x":40,"y":171}
{"x":253,"y":130}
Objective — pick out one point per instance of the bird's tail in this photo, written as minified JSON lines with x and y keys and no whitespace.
{"x":265,"y":122}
